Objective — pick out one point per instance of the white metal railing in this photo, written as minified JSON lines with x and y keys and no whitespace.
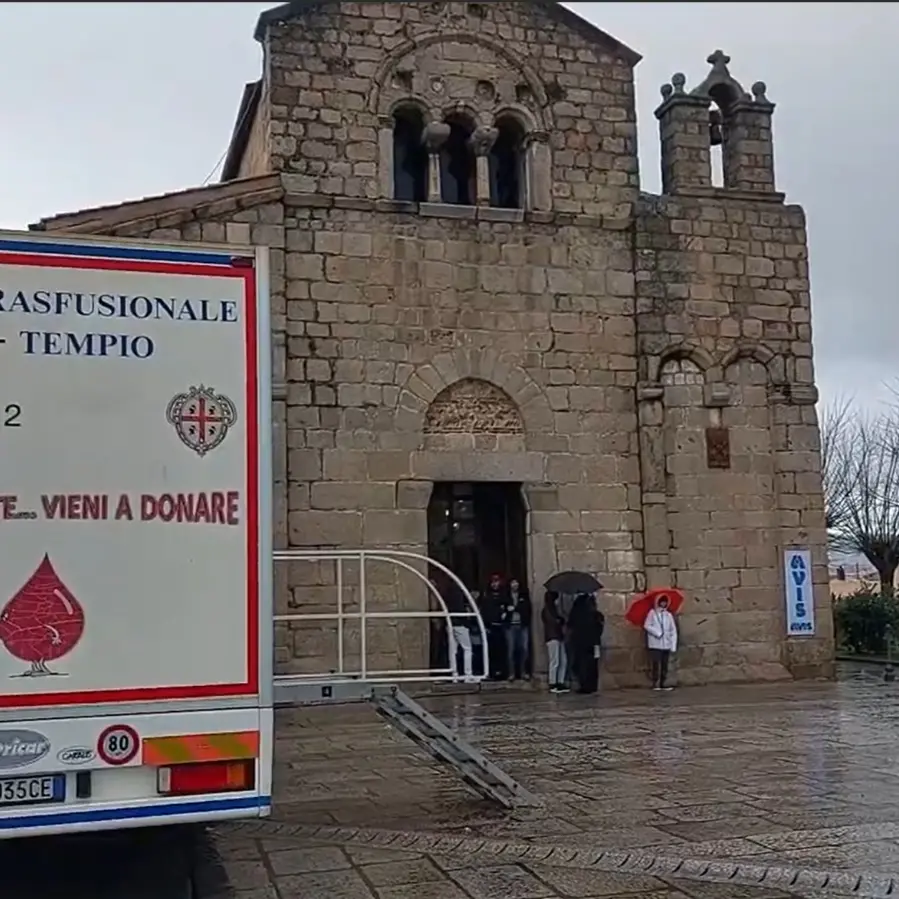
{"x":342,"y":615}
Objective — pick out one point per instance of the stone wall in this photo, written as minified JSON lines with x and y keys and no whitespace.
{"x":387,"y":312}
{"x":725,"y":339}
{"x":641,"y":365}
{"x":337,"y":73}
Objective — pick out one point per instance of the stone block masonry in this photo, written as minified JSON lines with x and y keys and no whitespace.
{"x":494,"y":299}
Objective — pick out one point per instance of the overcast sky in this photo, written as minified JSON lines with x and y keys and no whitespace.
{"x":104,"y":102}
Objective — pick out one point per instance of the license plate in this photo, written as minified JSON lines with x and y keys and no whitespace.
{"x":32,"y":790}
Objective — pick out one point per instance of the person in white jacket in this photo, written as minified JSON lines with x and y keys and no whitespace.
{"x":661,"y":640}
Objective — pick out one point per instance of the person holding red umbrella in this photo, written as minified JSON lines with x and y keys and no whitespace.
{"x":661,"y":639}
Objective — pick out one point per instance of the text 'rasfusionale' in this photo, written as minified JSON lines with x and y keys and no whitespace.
{"x":105,"y":306}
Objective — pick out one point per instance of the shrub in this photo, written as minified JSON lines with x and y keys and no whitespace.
{"x":865,"y":622}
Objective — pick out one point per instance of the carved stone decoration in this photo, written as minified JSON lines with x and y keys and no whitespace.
{"x":435,"y":135}
{"x":524,"y":94}
{"x":717,"y":448}
{"x":482,"y":140}
{"x":473,"y":406}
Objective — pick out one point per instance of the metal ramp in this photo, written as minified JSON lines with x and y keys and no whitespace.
{"x":352,"y":677}
{"x":479,"y":773}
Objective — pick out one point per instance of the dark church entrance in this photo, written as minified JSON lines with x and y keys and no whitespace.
{"x":476,"y":530}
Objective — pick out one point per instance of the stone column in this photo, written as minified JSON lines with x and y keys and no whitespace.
{"x":656,"y":536}
{"x":686,"y":140}
{"x":385,"y":157}
{"x":538,"y":172}
{"x":434,"y":137}
{"x":481,"y":142}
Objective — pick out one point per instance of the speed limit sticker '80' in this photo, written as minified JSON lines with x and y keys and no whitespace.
{"x":118,"y":744}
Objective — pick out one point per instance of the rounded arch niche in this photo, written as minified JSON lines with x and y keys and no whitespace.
{"x":417,"y":68}
{"x":473,"y":408}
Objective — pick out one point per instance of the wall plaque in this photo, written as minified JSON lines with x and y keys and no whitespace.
{"x":717,"y":447}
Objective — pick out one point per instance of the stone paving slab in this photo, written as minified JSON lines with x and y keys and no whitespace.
{"x":452,"y":852}
{"x":795,"y":785}
{"x":715,"y":793}
{"x":309,"y":869}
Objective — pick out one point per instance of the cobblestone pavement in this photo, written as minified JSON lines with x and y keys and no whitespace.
{"x":790,"y":786}
{"x":713,"y":793}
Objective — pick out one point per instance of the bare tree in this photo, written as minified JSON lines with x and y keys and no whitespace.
{"x":861,"y":482}
{"x":836,"y":460}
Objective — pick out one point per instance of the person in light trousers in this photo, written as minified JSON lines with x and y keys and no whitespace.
{"x":554,"y":635}
{"x":462,"y":622}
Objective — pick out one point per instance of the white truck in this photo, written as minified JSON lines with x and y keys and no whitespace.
{"x":135,"y":539}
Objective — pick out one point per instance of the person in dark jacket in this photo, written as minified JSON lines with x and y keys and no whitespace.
{"x":586,"y":625}
{"x":554,"y":636}
{"x":517,"y":624}
{"x":491,"y":609}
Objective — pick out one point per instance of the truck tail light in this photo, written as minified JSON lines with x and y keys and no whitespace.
{"x":207,"y":777}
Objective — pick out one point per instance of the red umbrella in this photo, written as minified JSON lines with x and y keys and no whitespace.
{"x":643,"y":603}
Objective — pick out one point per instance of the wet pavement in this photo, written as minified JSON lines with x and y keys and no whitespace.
{"x":712,"y":793}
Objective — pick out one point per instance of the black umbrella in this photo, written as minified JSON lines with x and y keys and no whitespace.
{"x":573,"y":582}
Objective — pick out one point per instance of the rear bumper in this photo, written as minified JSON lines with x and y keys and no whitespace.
{"x":117,"y":817}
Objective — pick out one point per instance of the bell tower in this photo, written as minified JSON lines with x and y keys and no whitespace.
{"x":717,"y":112}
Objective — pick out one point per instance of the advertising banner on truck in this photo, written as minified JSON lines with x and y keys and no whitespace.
{"x":131,"y":479}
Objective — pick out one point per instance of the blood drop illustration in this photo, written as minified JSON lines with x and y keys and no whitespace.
{"x":42,"y":622}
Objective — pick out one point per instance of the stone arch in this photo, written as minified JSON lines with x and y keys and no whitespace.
{"x":681,"y":371}
{"x":525,"y":116}
{"x":473,"y":406}
{"x":409,"y":102}
{"x":429,"y":380}
{"x":390,"y":62}
{"x":463,"y":110}
{"x":701,"y":357}
{"x":759,"y":353}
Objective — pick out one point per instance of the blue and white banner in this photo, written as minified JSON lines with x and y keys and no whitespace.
{"x":800,"y":593}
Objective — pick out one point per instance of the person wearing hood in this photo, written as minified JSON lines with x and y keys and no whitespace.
{"x":661,"y":640}
{"x":554,"y":636}
{"x":585,"y":624}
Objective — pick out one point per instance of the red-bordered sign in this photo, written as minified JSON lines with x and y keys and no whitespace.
{"x":203,"y":263}
{"x":118,"y":744}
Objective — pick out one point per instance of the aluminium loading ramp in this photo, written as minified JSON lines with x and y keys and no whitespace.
{"x":416,"y":723}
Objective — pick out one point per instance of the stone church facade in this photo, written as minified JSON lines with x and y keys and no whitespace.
{"x":468,"y":285}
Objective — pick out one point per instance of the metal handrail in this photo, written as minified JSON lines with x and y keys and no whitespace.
{"x":402,"y":560}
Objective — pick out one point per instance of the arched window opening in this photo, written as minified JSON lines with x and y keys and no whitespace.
{"x":723,"y":99}
{"x":716,"y":147}
{"x":410,"y":156}
{"x":458,"y":174}
{"x":507,"y":165}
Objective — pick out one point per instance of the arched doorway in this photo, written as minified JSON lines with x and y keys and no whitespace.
{"x":476,"y":527}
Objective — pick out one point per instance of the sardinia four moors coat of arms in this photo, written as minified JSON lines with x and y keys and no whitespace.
{"x":201,"y":418}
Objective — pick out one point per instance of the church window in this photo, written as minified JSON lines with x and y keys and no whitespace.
{"x":507,"y":165}
{"x":410,"y":156}
{"x":458,"y":181}
{"x":681,"y":373}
